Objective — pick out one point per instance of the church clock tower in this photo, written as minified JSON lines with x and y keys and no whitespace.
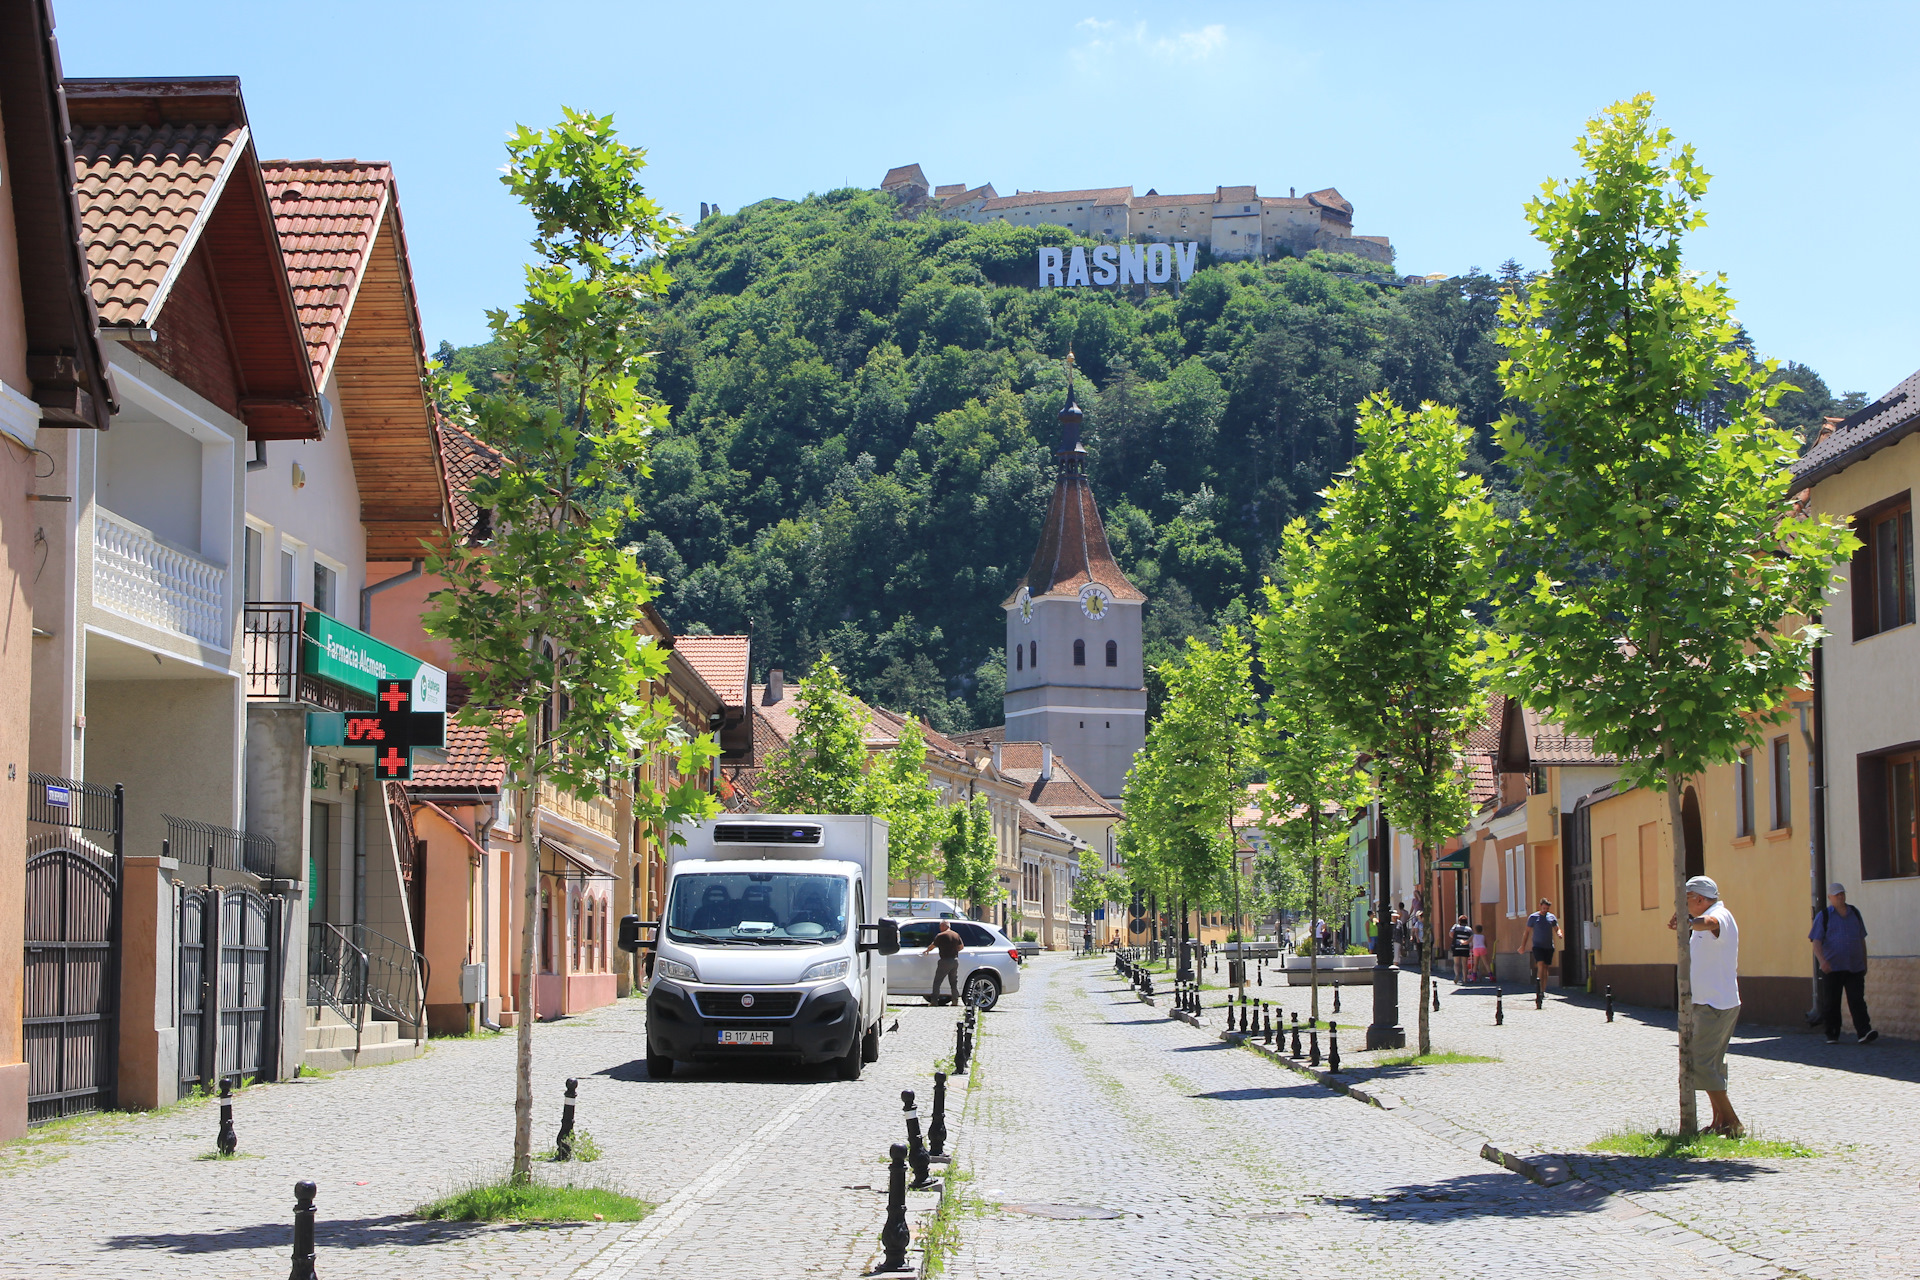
{"x":1074,"y":673}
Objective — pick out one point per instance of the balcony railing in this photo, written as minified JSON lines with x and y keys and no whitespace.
{"x":136,"y":574}
{"x":271,"y":637}
{"x":595,"y":814}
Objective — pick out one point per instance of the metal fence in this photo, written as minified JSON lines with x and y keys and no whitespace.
{"x":203,"y":844}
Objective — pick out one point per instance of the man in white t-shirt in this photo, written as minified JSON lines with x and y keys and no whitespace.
{"x":1714,"y":945}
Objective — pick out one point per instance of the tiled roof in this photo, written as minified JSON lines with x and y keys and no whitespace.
{"x":1236,"y":195}
{"x":1888,"y":420}
{"x":145,"y":191}
{"x":1035,"y":819}
{"x":946,"y":189}
{"x":1065,"y":795}
{"x":901,"y":175}
{"x":1328,"y":198}
{"x":1199,"y":198}
{"x":464,"y":458}
{"x":1484,"y":782}
{"x":1286,"y":202}
{"x":1485,"y":737}
{"x":469,"y":766}
{"x":327,"y":213}
{"x":721,"y":662}
{"x":982,"y":737}
{"x":1093,"y":195}
{"x":1073,"y":548}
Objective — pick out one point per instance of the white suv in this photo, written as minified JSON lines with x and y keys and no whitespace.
{"x":989,"y":963}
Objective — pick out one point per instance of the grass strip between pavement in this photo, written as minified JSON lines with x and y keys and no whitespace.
{"x":1663,"y":1144}
{"x":508,"y":1201}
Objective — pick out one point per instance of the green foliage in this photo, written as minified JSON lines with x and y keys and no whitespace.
{"x":857,"y":460}
{"x":898,"y":789}
{"x":1402,"y":568}
{"x":1663,"y":1144}
{"x":1313,"y":781}
{"x":968,"y":852}
{"x":1655,"y":586}
{"x":1649,"y":582}
{"x":1189,"y":782}
{"x":823,"y":767}
{"x":1095,"y":885}
{"x":546,"y":620}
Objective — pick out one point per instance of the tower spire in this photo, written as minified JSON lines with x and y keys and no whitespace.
{"x":1070,"y":453}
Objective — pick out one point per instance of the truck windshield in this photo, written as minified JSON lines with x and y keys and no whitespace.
{"x":757,"y":906}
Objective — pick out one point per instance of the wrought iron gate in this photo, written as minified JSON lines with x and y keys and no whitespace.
{"x":72,"y":945}
{"x":230,"y":955}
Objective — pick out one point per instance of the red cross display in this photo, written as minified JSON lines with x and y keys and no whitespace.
{"x":395,"y":765}
{"x":397,"y":695}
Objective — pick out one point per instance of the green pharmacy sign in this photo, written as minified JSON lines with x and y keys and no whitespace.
{"x":352,"y":658}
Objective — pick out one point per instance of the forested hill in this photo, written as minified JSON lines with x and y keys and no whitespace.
{"x":864,"y":408}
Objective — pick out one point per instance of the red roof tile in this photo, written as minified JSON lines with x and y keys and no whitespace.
{"x":1065,"y":795}
{"x":145,"y":192}
{"x":721,"y":661}
{"x":1073,"y":548}
{"x":1094,"y":195}
{"x":469,"y":766}
{"x":463,"y":458}
{"x":327,"y":213}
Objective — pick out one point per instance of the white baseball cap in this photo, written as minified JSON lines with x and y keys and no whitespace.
{"x":1705,"y":887}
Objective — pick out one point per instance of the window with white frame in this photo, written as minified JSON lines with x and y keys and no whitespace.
{"x":289,"y":583}
{"x":326,"y":588}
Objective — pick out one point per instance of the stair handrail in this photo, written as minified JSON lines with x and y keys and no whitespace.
{"x":337,"y":971}
{"x":397,"y":976}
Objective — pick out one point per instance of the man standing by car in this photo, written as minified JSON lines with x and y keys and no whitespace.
{"x":948,"y":942}
{"x":1840,"y":944}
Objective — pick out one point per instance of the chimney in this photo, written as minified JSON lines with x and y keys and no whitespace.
{"x":1290,"y":194}
{"x":776,"y":687}
{"x":1046,"y":763}
{"x":996,"y":756}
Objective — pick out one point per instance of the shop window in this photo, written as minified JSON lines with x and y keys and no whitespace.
{"x":1890,"y":815}
{"x":1079,"y":653}
{"x":1882,"y":573}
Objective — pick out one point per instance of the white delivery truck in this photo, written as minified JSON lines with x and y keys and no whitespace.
{"x":766,"y":945}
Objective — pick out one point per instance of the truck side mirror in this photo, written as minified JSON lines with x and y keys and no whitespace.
{"x":630,"y":927}
{"x":887,"y":936}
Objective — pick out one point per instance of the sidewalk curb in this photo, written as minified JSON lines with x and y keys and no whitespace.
{"x":1191,"y":1019}
{"x":1144,"y":998}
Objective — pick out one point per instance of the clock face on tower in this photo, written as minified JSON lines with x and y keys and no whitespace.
{"x":1094,"y":600}
{"x":1025,"y":601}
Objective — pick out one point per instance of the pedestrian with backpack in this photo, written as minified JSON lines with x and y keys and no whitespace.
{"x":1839,"y":938}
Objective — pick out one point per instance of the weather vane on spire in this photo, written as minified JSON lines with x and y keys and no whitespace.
{"x":1070,"y":453}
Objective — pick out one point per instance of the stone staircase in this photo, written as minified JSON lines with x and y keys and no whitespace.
{"x":329,"y":1042}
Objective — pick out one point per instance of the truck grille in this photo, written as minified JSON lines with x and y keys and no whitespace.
{"x":731,"y":1004}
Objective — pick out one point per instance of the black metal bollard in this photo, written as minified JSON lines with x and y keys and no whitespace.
{"x":1436,"y":997}
{"x":1313,"y":1039}
{"x":1499,"y":1008}
{"x":1268,"y":1036}
{"x":916,"y":1148}
{"x":1539,"y":994}
{"x":959,"y":1046}
{"x":937,"y":1127}
{"x":1296,"y":1037}
{"x":303,"y":1193}
{"x":894,"y":1235}
{"x":563,"y":1141}
{"x":1333,"y":1048}
{"x":1609,"y":1002}
{"x":229,"y":1141}
{"x":1336,"y":997}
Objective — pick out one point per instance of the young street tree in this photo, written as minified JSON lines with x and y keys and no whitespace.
{"x":967,"y":852}
{"x":545,"y":619}
{"x":1186,"y":789}
{"x":1313,"y":778}
{"x":1654,"y":588}
{"x":1402,"y":566}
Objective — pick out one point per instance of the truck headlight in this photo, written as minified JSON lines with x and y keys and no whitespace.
{"x":827,"y":969}
{"x":666,"y":968}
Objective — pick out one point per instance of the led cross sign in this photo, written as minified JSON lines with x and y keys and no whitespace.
{"x":394,"y":729}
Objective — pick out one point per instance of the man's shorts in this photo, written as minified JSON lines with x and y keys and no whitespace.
{"x":1712,"y":1029}
{"x":1543,"y":955}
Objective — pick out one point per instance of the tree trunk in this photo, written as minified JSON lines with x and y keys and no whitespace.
{"x":1426,"y":949}
{"x":1313,"y":923}
{"x":523,"y":1023}
{"x":1683,"y":954}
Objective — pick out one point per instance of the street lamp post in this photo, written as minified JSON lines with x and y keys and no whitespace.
{"x":1385,"y":1031}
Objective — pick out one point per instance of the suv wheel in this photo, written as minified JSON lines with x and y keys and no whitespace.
{"x":982,"y":990}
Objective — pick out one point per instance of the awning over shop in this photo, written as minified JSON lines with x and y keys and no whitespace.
{"x":1455,"y":861}
{"x":581,"y":865}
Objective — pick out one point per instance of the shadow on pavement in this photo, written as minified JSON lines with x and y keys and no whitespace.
{"x":1496,"y":1194}
{"x":387,"y":1232}
{"x":635,"y":1072}
{"x":1658,"y":1173}
{"x":1304,"y":1089}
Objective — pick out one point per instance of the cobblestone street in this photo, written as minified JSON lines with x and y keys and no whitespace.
{"x":1222,"y":1164}
{"x":1566,"y":1077}
{"x":756,"y":1173}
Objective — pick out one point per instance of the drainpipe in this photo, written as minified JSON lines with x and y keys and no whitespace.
{"x":258,"y":462}
{"x":1817,"y":801}
{"x":368,"y":593}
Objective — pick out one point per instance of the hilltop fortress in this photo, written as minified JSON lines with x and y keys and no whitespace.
{"x":1233,"y":222}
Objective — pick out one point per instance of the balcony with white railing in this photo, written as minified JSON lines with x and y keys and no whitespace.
{"x":140,"y":577}
{"x":595,"y":815}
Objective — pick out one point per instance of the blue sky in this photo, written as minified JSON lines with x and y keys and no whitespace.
{"x":1438,"y":121}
